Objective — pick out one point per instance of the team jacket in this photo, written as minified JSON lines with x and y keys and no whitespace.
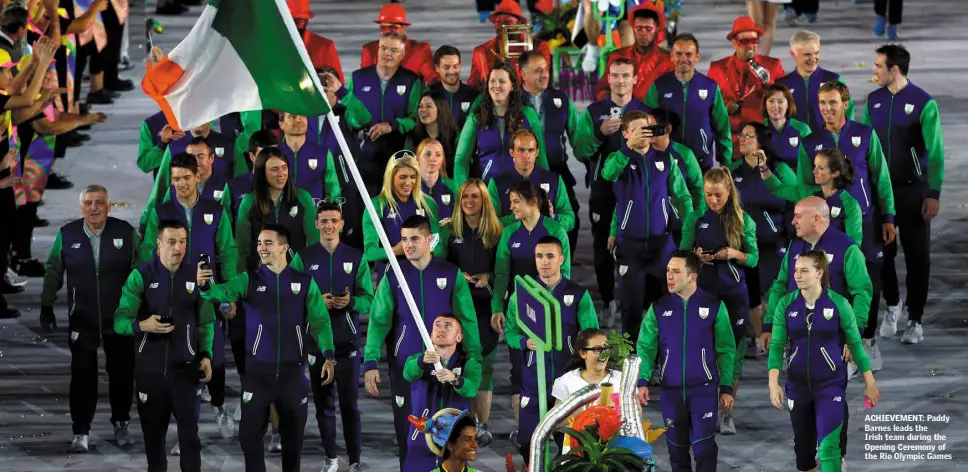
{"x":704,"y":229}
{"x":815,"y":354}
{"x":646,"y":188}
{"x":396,"y":105}
{"x":428,"y":395}
{"x":343,"y":270}
{"x":500,"y":188}
{"x":93,"y":290}
{"x":392,"y":223}
{"x":460,"y":101}
{"x":152,"y":290}
{"x":515,"y":256}
{"x":703,"y":121}
{"x":212,"y":189}
{"x":648,"y":67}
{"x":209,"y":232}
{"x":559,"y":121}
{"x":787,"y":143}
{"x":577,"y":314}
{"x":767,"y":210}
{"x":469,"y":255}
{"x":418,"y":58}
{"x":689,"y":341}
{"x":485,"y":153}
{"x":322,"y":52}
{"x":348,"y":108}
{"x":847,"y":271}
{"x":444,"y":193}
{"x":915,"y":141}
{"x":437,"y":289}
{"x":235,"y":190}
{"x":805,"y":91}
{"x":739,"y":83}
{"x":278,"y":308}
{"x":845,"y":212}
{"x":299,"y":220}
{"x":313,"y":169}
{"x":488,"y":54}
{"x":151,"y":149}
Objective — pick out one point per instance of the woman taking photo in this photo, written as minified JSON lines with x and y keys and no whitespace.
{"x":433,"y":177}
{"x":432,"y":124}
{"x":786,"y":133}
{"x":724,"y":236}
{"x":483,"y":149}
{"x":275,"y":199}
{"x":816,"y":391}
{"x":470,"y":241}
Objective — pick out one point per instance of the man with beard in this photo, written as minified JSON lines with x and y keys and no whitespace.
{"x":459,"y":95}
{"x":804,"y":82}
{"x":417,"y":59}
{"x":487,"y":55}
{"x":649,"y":60}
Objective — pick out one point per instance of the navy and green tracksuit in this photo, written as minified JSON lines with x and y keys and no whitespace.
{"x":460,"y":101}
{"x":278,"y":308}
{"x":428,"y":396}
{"x":690,"y":341}
{"x":235,"y":190}
{"x":577,"y":314}
{"x":313,"y":169}
{"x":911,"y":124}
{"x":554,"y":186}
{"x":392,"y":221}
{"x":647,"y":188}
{"x":438,"y":289}
{"x":703,"y":120}
{"x":845,"y":212}
{"x":806,"y":92}
{"x":343,"y":270}
{"x":166,"y":365}
{"x":212,"y":189}
{"x":298,"y":219}
{"x":354,"y":211}
{"x":786,"y":143}
{"x":816,"y":373}
{"x":471,"y":256}
{"x":94,"y":287}
{"x":151,"y":149}
{"x":444,"y":193}
{"x":485,"y":153}
{"x":689,"y":168}
{"x":348,"y":107}
{"x":592,"y":148}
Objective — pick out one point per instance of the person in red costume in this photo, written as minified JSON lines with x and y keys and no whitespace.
{"x":490,"y":53}
{"x":322,"y":51}
{"x":741,"y":76}
{"x":418,"y":59}
{"x":648,"y":22}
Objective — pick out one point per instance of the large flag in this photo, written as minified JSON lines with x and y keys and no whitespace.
{"x":241,"y":55}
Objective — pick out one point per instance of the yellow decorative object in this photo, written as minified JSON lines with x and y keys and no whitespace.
{"x":652,"y":434}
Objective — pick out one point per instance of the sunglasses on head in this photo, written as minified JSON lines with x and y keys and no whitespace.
{"x":402,"y":154}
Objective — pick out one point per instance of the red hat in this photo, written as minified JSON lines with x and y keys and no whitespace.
{"x":508,"y":7}
{"x":744,"y":24}
{"x":299,"y":9}
{"x":648,"y":5}
{"x":394,"y":14}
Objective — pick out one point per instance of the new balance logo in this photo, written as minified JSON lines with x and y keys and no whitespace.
{"x":793,"y":314}
{"x":838,"y":399}
{"x":153,"y":285}
{"x":667,"y":313}
{"x":668,"y":95}
{"x":708,"y":414}
{"x":76,"y":246}
{"x":703,"y":225}
{"x":515,"y":245}
{"x":314,"y":267}
{"x":262,"y":288}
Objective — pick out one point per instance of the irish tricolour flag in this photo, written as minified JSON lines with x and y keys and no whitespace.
{"x":241,"y":55}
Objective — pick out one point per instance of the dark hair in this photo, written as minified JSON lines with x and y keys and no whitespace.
{"x":764,"y":138}
{"x":663,"y":117}
{"x":575,"y":361}
{"x":896,"y":55}
{"x":199,"y":141}
{"x":183,"y":160}
{"x":447,"y":129}
{"x":331,"y":70}
{"x":262,"y":138}
{"x":836,"y":87}
{"x":819,"y":259}
{"x":687,"y":37}
{"x":260,"y":184}
{"x":455,"y":433}
{"x":837,"y":161}
{"x":417,"y":222}
{"x":549,"y":239}
{"x":525,"y":58}
{"x":15,"y":17}
{"x":622,"y":61}
{"x":280,"y":231}
{"x":769,"y":90}
{"x":328,"y":206}
{"x":631,"y":116}
{"x":170,"y":224}
{"x":451,"y":316}
{"x":531,"y":192}
{"x":647,"y":14}
{"x":522,"y":133}
{"x":445,"y":50}
{"x":515,"y":114}
{"x":692,"y":260}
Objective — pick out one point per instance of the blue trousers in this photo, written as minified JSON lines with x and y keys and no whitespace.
{"x":289,"y":393}
{"x":347,"y":387}
{"x":691,"y":419}
{"x":819,"y":419}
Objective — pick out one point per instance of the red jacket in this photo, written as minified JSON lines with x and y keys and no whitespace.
{"x":737,"y":82}
{"x":322,"y":52}
{"x":487,"y":54}
{"x":419,"y":59}
{"x":648,"y":67}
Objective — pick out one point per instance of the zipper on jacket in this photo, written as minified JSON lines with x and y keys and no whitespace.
{"x":705,"y":367}
{"x":864,"y":191}
{"x":258,"y":337}
{"x":809,"y":381}
{"x":685,"y":106}
{"x":278,"y":328}
{"x":628,"y":210}
{"x":97,"y":289}
{"x":648,"y":194}
{"x":396,"y":349}
{"x":917,"y":163}
{"x":769,"y":221}
{"x":685,"y":312}
{"x":171,"y":296}
{"x":890,"y":118}
{"x":188,"y":339}
{"x":830,"y":362}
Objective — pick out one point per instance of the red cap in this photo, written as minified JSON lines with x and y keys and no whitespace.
{"x":508,"y":7}
{"x":393,"y":14}
{"x":744,"y":24}
{"x":299,"y":9}
{"x":648,"y":5}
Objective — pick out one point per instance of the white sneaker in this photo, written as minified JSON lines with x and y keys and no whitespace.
{"x":226,"y":427}
{"x":275,"y":444}
{"x":79,"y":444}
{"x":14,"y":278}
{"x":176,"y":451}
{"x":726,"y":425}
{"x":852,"y":370}
{"x":790,"y":17}
{"x":121,"y":434}
{"x":331,"y":465}
{"x":889,"y":325}
{"x":206,"y":397}
{"x":874,"y":354}
{"x":237,"y":415}
{"x":913,"y":334}
{"x":356,"y":467}
{"x":843,"y":464}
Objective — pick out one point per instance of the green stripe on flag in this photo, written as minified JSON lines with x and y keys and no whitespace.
{"x":257,"y":31}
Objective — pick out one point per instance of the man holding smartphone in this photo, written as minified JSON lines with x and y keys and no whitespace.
{"x":343,"y":276}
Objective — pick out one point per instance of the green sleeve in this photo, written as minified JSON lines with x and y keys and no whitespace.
{"x":160,"y":187}
{"x":135,"y":249}
{"x":496,"y":203}
{"x":858,"y":283}
{"x":853,"y":217}
{"x":381,"y":318}
{"x":251,"y":122}
{"x":356,"y":113}
{"x":406,"y":124}
{"x":801,"y":127}
{"x":587,"y":318}
{"x":850,"y":113}
{"x":647,"y":347}
{"x":694,"y":179}
{"x":881,"y":175}
{"x":54,"y":275}
{"x":330,"y":180}
{"x":733,"y":164}
{"x":412,"y":370}
{"x":725,"y":347}
{"x":206,"y":326}
{"x":126,"y":316}
{"x":749,"y":242}
{"x":319,"y":323}
{"x":574,"y":123}
{"x":934,"y":143}
{"x":555,"y":229}
{"x":678,"y":192}
{"x":777,"y":290}
{"x":232,"y":290}
{"x":615,"y":164}
{"x":372,"y":248}
{"x":787,"y":190}
{"x":240,"y":164}
{"x":804,"y":167}
{"x":687,"y":241}
{"x":777,"y":343}
{"x":469,"y":381}
{"x":564,"y":214}
{"x":586,"y":141}
{"x":652,"y":97}
{"x":851,"y":331}
{"x":720,"y":122}
{"x":463,"y":304}
{"x":466,"y":146}
{"x":308,"y":208}
{"x":785,"y":173}
{"x":866,"y":119}
{"x":363,"y":295}
{"x":297,"y":264}
{"x":228,"y":252}
{"x":613,"y":227}
{"x":445,"y":233}
{"x":243,"y":230}
{"x":226,"y":203}
{"x":535,"y":123}
{"x":502,"y":269}
{"x":515,"y":338}
{"x":150,"y":241}
{"x":149,"y":155}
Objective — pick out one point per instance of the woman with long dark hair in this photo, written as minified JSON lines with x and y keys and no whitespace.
{"x":435,"y":121}
{"x":483,"y":150}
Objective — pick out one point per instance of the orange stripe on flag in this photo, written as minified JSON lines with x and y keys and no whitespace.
{"x":158,"y":81}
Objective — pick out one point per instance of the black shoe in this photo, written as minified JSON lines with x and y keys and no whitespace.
{"x":125,"y":64}
{"x":119,"y":85}
{"x":99,"y":98}
{"x":56,"y":181}
{"x":83,"y":137}
{"x":30,"y":268}
{"x":111,"y":93}
{"x":40,"y":223}
{"x":8,"y":313}
{"x":171,"y":9}
{"x":7,"y":289}
{"x":83,"y":128}
{"x":72,"y":140}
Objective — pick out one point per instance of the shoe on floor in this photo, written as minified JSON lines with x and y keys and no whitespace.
{"x":914,"y":334}
{"x":726,"y":425}
{"x":889,"y":325}
{"x":357,"y":467}
{"x":275,"y":444}
{"x":874,"y":354}
{"x":56,"y":181}
{"x":851,"y":370}
{"x":176,"y":451}
{"x":484,"y":436}
{"x":752,"y":349}
{"x":790,"y":16}
{"x":125,"y":64}
{"x":79,"y":444}
{"x":514,"y":439}
{"x":226,"y":427}
{"x":892,"y":33}
{"x":9,"y":313}
{"x":40,"y":223}
{"x":331,"y":465}
{"x":810,"y":17}
{"x":30,"y":268}
{"x":122,"y":435}
{"x":206,"y":397}
{"x":120,"y":85}
{"x":880,"y":24}
{"x":13,"y":279}
{"x":101,"y":97}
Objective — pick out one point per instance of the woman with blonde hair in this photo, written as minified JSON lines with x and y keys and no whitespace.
{"x":724,"y":236}
{"x":469,"y":241}
{"x":400,"y":198}
{"x":433,"y":176}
